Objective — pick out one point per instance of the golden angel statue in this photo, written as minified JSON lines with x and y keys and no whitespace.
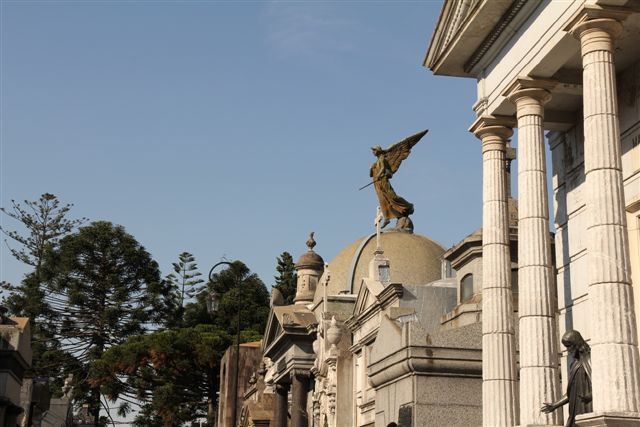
{"x":387,"y":163}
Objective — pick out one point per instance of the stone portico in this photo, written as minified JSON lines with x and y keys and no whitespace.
{"x":572,"y":70}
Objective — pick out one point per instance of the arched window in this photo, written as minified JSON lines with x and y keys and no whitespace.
{"x":466,"y":288}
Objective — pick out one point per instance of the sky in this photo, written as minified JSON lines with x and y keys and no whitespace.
{"x":231,"y":129}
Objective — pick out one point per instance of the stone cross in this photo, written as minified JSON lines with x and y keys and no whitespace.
{"x":377,"y":223}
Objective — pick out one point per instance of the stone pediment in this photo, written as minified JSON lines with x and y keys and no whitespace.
{"x":373,"y":297}
{"x":272,"y":331}
{"x":293,"y":319}
{"x":367,"y":296}
{"x":468,"y":32}
{"x":452,"y":18}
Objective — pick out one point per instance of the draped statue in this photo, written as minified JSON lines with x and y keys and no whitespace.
{"x":387,"y":163}
{"x":578,"y":394}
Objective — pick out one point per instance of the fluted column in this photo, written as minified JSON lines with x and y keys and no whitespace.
{"x":614,"y":354}
{"x":499,"y":381}
{"x":539,"y":376}
{"x":281,"y":407}
{"x":299,"y":392}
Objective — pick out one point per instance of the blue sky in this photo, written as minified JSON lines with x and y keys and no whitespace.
{"x":231,"y":128}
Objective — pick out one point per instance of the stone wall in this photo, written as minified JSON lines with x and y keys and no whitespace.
{"x":250,"y":359}
{"x":629,"y":102}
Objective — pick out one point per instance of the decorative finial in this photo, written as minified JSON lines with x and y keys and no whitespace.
{"x":311,"y":243}
{"x":334,"y":333}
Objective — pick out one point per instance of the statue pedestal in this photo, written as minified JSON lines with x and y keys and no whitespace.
{"x":609,"y":419}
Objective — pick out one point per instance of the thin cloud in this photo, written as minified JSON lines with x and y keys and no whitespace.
{"x":307,"y":29}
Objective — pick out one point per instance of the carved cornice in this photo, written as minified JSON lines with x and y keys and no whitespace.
{"x":365,"y":340}
{"x":464,"y":47}
{"x":451,"y":22}
{"x":495,"y":33}
{"x":287,"y":366}
{"x":426,"y":360}
{"x":390,"y":294}
{"x":464,"y":251}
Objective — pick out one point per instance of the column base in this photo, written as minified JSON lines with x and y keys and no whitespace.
{"x":609,"y":419}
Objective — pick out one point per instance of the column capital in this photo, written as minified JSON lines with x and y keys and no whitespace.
{"x":596,"y":27}
{"x":300,"y":374}
{"x":529,"y":95}
{"x":493,"y":132}
{"x":282,"y":387}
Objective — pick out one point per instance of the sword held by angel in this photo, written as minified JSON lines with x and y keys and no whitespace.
{"x":387,"y":163}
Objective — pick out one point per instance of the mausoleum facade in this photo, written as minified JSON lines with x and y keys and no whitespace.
{"x":569,"y":70}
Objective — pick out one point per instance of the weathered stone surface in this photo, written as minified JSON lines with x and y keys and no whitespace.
{"x":615,"y":359}
{"x":539,"y":379}
{"x":498,"y":341}
{"x":609,"y":419}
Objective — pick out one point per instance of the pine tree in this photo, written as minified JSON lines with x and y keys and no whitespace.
{"x":184,"y":280}
{"x":286,"y":280}
{"x":45,"y":222}
{"x":175,"y":373}
{"x":171,"y":374}
{"x":236,"y":287}
{"x":106,"y":288}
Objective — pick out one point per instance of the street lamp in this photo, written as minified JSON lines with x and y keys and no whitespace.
{"x":213,"y":301}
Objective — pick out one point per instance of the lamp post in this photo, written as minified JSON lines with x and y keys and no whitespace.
{"x":212,"y":307}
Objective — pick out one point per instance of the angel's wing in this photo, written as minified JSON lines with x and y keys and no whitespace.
{"x":401,"y":150}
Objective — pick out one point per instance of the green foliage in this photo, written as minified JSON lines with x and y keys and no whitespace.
{"x":286,"y":280}
{"x":171,"y":371}
{"x":237,"y":287}
{"x":175,"y":373}
{"x":184,"y":281}
{"x":45,"y":222}
{"x":106,"y":288}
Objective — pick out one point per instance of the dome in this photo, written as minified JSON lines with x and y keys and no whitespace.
{"x":311,"y":260}
{"x":414,"y":260}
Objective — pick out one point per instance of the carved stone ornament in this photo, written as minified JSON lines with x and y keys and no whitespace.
{"x":334,"y":334}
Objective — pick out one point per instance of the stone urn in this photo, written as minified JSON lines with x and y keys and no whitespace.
{"x":334,"y":333}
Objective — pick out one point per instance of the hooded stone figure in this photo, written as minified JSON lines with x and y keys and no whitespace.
{"x":578,"y":394}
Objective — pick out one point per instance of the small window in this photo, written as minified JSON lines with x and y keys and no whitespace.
{"x":514,"y":281}
{"x":384,"y":273}
{"x":466,"y":288}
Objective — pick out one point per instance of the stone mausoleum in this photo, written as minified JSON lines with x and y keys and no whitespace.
{"x":382,"y":334}
{"x":398,"y":331}
{"x":566,"y":76}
